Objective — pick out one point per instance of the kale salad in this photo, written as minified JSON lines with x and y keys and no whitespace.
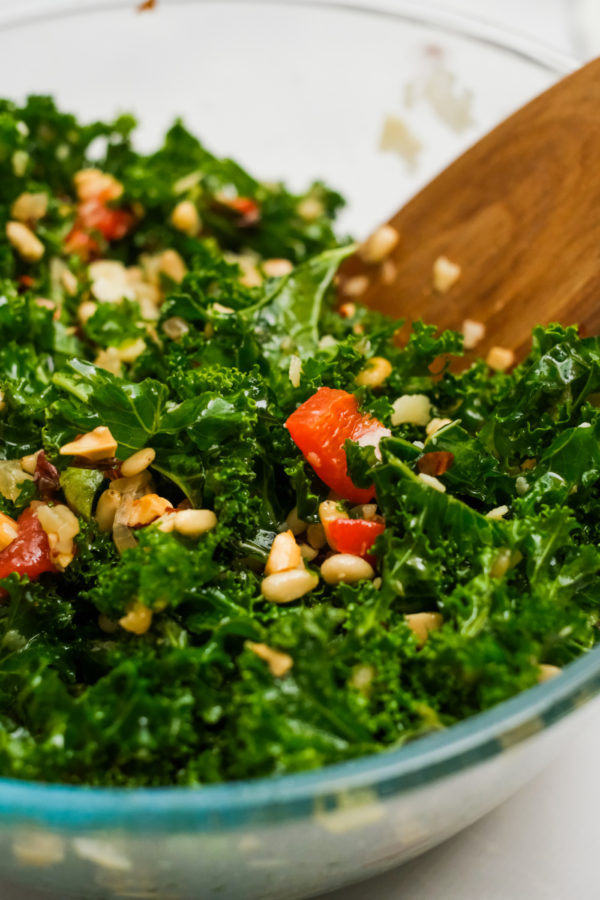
{"x":243,"y":531}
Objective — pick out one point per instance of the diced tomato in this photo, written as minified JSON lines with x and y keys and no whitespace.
{"x":248,"y":209}
{"x":95,"y":216}
{"x":320,"y":428}
{"x":29,"y":553}
{"x":355,"y":536}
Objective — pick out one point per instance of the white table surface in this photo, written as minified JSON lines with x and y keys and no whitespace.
{"x":543,"y":843}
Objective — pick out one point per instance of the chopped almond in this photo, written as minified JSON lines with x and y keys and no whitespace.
{"x":500,"y":359}
{"x":473,"y":332}
{"x":284,"y":554}
{"x":445,"y":274}
{"x":138,"y":618}
{"x":95,"y":445}
{"x":146,"y":509}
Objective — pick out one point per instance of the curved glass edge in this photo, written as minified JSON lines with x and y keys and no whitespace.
{"x":288,"y":797}
{"x":423,"y":13}
{"x":391,"y":772}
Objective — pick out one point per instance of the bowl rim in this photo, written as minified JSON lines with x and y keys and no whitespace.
{"x":271,"y":799}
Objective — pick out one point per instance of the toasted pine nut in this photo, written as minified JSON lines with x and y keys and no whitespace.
{"x":194,"y":522}
{"x":546,"y":672}
{"x":86,"y":310}
{"x":28,"y":246}
{"x":355,"y":286}
{"x":411,"y":409}
{"x":500,"y":359}
{"x":310,"y":209}
{"x":432,"y":482}
{"x":175,"y":328}
{"x":498,"y":513}
{"x":146,"y":509}
{"x":95,"y":445}
{"x":422,"y":623}
{"x":315,"y":535}
{"x":137,"y":462}
{"x":435,"y":425}
{"x":473,"y":333}
{"x":172,"y":265}
{"x":308,"y":552}
{"x":285,"y":587}
{"x":185,"y":218}
{"x":445,"y":274}
{"x":377,"y":370}
{"x":284,"y":554}
{"x":276,"y":268}
{"x":138,"y":618}
{"x":29,"y":207}
{"x":294,"y":523}
{"x":346,"y":568}
{"x":379,"y":245}
{"x":279,"y":663}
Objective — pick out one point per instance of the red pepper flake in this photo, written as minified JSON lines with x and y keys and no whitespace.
{"x":435,"y":463}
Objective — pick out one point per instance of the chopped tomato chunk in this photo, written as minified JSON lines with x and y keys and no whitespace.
{"x":94,"y":215}
{"x":247,"y":208}
{"x":320,"y":428}
{"x":355,"y":536}
{"x":29,"y":553}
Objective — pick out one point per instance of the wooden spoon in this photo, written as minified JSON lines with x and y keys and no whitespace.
{"x":519,"y":213}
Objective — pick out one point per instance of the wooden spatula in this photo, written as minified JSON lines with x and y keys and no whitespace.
{"x":519,"y":213}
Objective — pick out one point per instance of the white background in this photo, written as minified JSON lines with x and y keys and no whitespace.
{"x":544,"y":843}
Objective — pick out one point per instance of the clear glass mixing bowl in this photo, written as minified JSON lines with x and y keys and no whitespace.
{"x":294,"y":90}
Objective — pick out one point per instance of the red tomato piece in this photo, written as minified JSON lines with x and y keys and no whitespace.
{"x":355,"y":536}
{"x":29,"y":553}
{"x":320,"y":428}
{"x":113,"y":224}
{"x":248,"y":209}
{"x":81,"y":243}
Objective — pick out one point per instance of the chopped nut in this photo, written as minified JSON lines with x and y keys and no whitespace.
{"x":175,"y":328}
{"x":223,"y":310}
{"x":432,"y":481}
{"x":185,"y":218}
{"x":445,"y":274}
{"x":377,"y":370}
{"x":95,"y":445}
{"x":29,"y":207}
{"x":498,"y":513}
{"x":8,"y":530}
{"x":108,"y":504}
{"x":436,"y":425}
{"x":172,"y":265}
{"x":421,"y":624}
{"x":355,"y":286}
{"x":546,"y":672}
{"x":279,"y":663}
{"x":69,"y":282}
{"x":29,"y":463}
{"x":147,"y":508}
{"x":295,"y":370}
{"x":379,"y":245}
{"x":138,"y":618}
{"x":130,"y":351}
{"x":500,"y":358}
{"x":308,"y":553}
{"x":109,"y":281}
{"x":411,"y":409}
{"x":473,"y":332}
{"x":86,"y":310}
{"x":28,"y":246}
{"x":61,"y":526}
{"x":94,"y":184}
{"x":310,"y":209}
{"x":284,"y":554}
{"x":109,"y":360}
{"x":294,"y":523}
{"x":277,"y":268}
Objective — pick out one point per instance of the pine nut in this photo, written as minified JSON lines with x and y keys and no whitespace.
{"x":138,"y":462}
{"x":344,"y":568}
{"x":498,"y":513}
{"x":276,"y":268}
{"x":285,"y":587}
{"x":279,"y":663}
{"x":435,"y":425}
{"x":294,"y":523}
{"x":500,"y":359}
{"x":29,"y":207}
{"x":172,"y":265}
{"x":473,"y":332}
{"x":185,"y":218}
{"x":106,"y":508}
{"x":546,"y":672}
{"x":175,"y":328}
{"x":146,"y":509}
{"x":432,"y":482}
{"x":308,"y":552}
{"x":377,"y":370}
{"x":379,"y":245}
{"x":445,"y":274}
{"x":355,"y":286}
{"x":194,"y":522}
{"x":422,"y":623}
{"x":310,"y":209}
{"x":284,"y":554}
{"x":411,"y":409}
{"x":295,"y":370}
{"x":28,"y":246}
{"x":315,"y":535}
{"x":137,"y":619}
{"x":86,"y":310}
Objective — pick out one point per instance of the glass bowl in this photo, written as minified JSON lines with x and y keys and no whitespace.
{"x":294,"y":90}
